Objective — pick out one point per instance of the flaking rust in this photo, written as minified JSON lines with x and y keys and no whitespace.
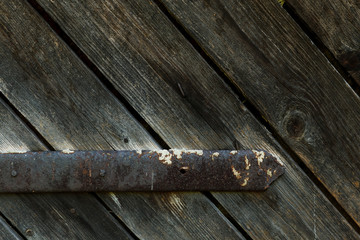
{"x":138,"y":170}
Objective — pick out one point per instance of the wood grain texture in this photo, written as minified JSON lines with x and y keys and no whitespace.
{"x":71,"y":109}
{"x":146,"y":59}
{"x":14,"y":136}
{"x":6,"y":231}
{"x":337,"y":25}
{"x":48,"y":216}
{"x":61,"y":216}
{"x":187,"y":211}
{"x":269,"y":58}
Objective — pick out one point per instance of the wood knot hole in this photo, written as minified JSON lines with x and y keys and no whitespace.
{"x":295,"y":125}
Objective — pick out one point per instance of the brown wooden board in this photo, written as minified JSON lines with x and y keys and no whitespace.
{"x":49,"y":216}
{"x":146,"y":58}
{"x":336,"y":24}
{"x":67,"y":104}
{"x":267,"y":56}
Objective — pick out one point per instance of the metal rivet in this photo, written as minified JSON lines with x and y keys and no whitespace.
{"x":102,"y":172}
{"x":184,"y":169}
{"x":14,"y":173}
{"x":29,"y":232}
{"x":73,"y":210}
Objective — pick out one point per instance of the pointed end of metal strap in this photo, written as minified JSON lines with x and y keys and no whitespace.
{"x":277,"y":169}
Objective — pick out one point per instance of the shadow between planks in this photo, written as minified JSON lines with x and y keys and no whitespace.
{"x":212,"y":125}
{"x":84,"y":117}
{"x":257,"y":113}
{"x":291,"y":64}
{"x":335,"y":26}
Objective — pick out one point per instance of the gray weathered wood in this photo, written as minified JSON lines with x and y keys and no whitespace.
{"x":269,"y":58}
{"x":188,"y":211}
{"x":14,"y":137}
{"x":48,"y":216}
{"x":71,"y":109}
{"x":336,"y":24}
{"x":6,"y":232}
{"x":146,"y":58}
{"x":61,"y":216}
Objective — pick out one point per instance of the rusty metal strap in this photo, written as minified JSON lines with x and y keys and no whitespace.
{"x":142,"y":170}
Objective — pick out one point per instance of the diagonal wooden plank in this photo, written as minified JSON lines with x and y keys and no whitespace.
{"x":49,"y":215}
{"x":265,"y":54}
{"x":71,"y":109}
{"x":336,"y":24}
{"x":146,"y":59}
{"x":6,"y":232}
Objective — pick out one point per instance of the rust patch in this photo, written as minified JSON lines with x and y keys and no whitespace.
{"x":164,"y":156}
{"x":178,"y":153}
{"x":247,"y":163}
{"x":67,"y":151}
{"x":245,"y":182}
{"x":233,"y":152}
{"x":236,"y":173}
{"x":214,"y":155}
{"x":260,"y":156}
{"x":160,"y":170}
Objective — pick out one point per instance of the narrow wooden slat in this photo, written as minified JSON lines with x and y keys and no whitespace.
{"x":6,"y":232}
{"x":146,"y":59}
{"x":336,"y":24}
{"x":14,"y":137}
{"x":49,"y":216}
{"x":187,"y":212}
{"x":299,"y":93}
{"x":61,"y":216}
{"x":66,"y":103}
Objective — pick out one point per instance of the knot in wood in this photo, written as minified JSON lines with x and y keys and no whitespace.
{"x":295,"y":124}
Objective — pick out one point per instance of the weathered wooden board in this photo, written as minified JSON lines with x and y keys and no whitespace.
{"x":147,"y":59}
{"x":267,"y":56}
{"x":71,"y":109}
{"x":6,"y":232}
{"x":336,"y":24}
{"x":14,"y":137}
{"x":49,"y":216}
{"x":61,"y":216}
{"x":188,"y":213}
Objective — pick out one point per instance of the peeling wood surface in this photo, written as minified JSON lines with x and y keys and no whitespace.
{"x":67,"y":104}
{"x":336,"y":24}
{"x":304,"y":99}
{"x":146,"y":59}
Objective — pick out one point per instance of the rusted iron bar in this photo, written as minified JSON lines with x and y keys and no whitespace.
{"x":142,"y":170}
